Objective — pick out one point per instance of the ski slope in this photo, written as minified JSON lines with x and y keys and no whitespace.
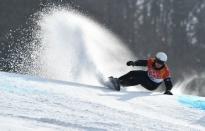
{"x":32,"y":104}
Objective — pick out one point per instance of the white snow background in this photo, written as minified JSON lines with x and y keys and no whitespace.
{"x":30,"y":103}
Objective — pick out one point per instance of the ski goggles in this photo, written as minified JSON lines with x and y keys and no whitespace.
{"x":159,"y":61}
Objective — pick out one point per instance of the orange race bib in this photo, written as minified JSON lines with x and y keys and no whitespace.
{"x":157,"y":75}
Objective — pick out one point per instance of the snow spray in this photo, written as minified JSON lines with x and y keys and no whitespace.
{"x":76,"y":48}
{"x":192,"y":85}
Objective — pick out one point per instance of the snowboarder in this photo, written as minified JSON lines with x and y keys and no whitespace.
{"x":157,"y":72}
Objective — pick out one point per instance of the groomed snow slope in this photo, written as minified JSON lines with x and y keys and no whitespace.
{"x":31,"y":104}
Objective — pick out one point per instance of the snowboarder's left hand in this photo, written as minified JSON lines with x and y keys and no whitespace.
{"x":168,"y":92}
{"x":130,"y":63}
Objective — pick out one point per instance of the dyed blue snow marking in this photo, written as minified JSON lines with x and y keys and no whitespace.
{"x":18,"y":89}
{"x":193,"y":101}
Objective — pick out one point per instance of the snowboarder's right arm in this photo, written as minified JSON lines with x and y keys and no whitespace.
{"x":137,"y":63}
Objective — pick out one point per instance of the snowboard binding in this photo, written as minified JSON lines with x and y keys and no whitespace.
{"x":115,"y":83}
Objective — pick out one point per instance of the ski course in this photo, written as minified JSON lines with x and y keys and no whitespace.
{"x":33,"y":103}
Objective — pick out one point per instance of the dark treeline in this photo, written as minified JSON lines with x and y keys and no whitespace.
{"x":146,"y":26}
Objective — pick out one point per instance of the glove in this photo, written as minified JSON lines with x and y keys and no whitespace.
{"x":168,"y":92}
{"x":130,"y":63}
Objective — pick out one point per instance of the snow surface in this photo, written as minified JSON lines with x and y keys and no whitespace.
{"x":32,"y":104}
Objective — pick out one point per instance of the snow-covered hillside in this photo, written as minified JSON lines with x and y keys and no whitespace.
{"x":30,"y":103}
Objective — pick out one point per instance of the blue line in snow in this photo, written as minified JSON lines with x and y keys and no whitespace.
{"x":21,"y":89}
{"x":193,"y":101}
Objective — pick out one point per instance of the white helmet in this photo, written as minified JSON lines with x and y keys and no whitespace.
{"x":161,"y":56}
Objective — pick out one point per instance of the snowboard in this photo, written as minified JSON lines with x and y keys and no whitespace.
{"x":114,"y":83}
